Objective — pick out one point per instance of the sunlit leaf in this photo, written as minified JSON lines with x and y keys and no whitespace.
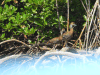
{"x":3,"y":35}
{"x":29,"y":41}
{"x":36,"y":22}
{"x":85,"y":18}
{"x":23,"y":0}
{"x":32,"y":30}
{"x":26,"y":30}
{"x":34,"y":11}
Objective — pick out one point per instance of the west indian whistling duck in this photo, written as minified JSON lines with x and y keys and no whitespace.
{"x":57,"y":40}
{"x":64,"y":36}
{"x":68,"y":35}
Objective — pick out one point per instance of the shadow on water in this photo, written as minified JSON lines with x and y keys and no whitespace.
{"x":60,"y":63}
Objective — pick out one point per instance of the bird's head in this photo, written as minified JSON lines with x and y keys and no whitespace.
{"x":63,"y":31}
{"x":72,"y":25}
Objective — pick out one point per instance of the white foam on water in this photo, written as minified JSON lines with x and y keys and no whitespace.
{"x":51,"y":63}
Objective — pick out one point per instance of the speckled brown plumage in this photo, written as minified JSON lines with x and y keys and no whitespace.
{"x":68,"y":35}
{"x":57,"y":39}
{"x":64,"y":37}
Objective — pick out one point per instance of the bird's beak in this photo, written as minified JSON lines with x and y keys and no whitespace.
{"x":74,"y":25}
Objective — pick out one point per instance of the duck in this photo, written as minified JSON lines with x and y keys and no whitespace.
{"x":68,"y":34}
{"x":65,"y":36}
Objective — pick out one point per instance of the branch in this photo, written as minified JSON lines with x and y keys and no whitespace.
{"x":83,"y":5}
{"x":79,"y":36}
{"x":67,"y":15}
{"x":58,"y":17}
{"x":16,"y":41}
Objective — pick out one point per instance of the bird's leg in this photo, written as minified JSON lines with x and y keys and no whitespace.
{"x":65,"y":44}
{"x":62,"y":43}
{"x":54,"y":47}
{"x":62,"y":31}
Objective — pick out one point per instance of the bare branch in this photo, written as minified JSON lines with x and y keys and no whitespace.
{"x":16,"y":41}
{"x":58,"y":16}
{"x":83,"y":5}
{"x":67,"y":15}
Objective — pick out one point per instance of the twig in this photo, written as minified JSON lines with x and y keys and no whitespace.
{"x":83,"y":5}
{"x":45,"y":48}
{"x":90,"y":27}
{"x":59,"y":53}
{"x":89,"y":4}
{"x":16,"y":41}
{"x":9,"y":49}
{"x":80,"y":35}
{"x":70,"y":43}
{"x":15,"y":1}
{"x":3,"y":2}
{"x":58,"y":17}
{"x":15,"y":51}
{"x":86,"y":3}
{"x":67,"y":15}
{"x":94,"y":29}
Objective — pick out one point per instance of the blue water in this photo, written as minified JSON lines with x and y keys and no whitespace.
{"x":52,"y":64}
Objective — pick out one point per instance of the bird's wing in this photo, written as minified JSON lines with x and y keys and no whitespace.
{"x":67,"y":36}
{"x":54,"y":40}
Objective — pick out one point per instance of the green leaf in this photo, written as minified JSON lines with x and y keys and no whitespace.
{"x":8,"y":38}
{"x":26,"y":30}
{"x":61,"y":18}
{"x":54,"y":23}
{"x":12,"y":18}
{"x":18,"y":15}
{"x":84,"y":24}
{"x":37,"y":22}
{"x":42,"y":37}
{"x":18,"y":18}
{"x":0,"y":9}
{"x":14,"y":9}
{"x":29,"y":41}
{"x":23,"y":0}
{"x":34,"y":11}
{"x":24,"y":17}
{"x":7,"y":0}
{"x":11,"y":7}
{"x":50,"y":31}
{"x":30,"y":1}
{"x":6,"y":6}
{"x":31,"y":31}
{"x":25,"y":22}
{"x":8,"y":26}
{"x":85,"y":18}
{"x":10,"y":13}
{"x":1,"y":17}
{"x":45,"y":22}
{"x":3,"y":35}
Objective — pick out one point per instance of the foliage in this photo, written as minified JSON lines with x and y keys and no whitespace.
{"x":36,"y":17}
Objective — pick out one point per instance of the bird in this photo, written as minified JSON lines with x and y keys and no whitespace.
{"x":56,"y":40}
{"x":68,"y":35}
{"x":65,"y":36}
